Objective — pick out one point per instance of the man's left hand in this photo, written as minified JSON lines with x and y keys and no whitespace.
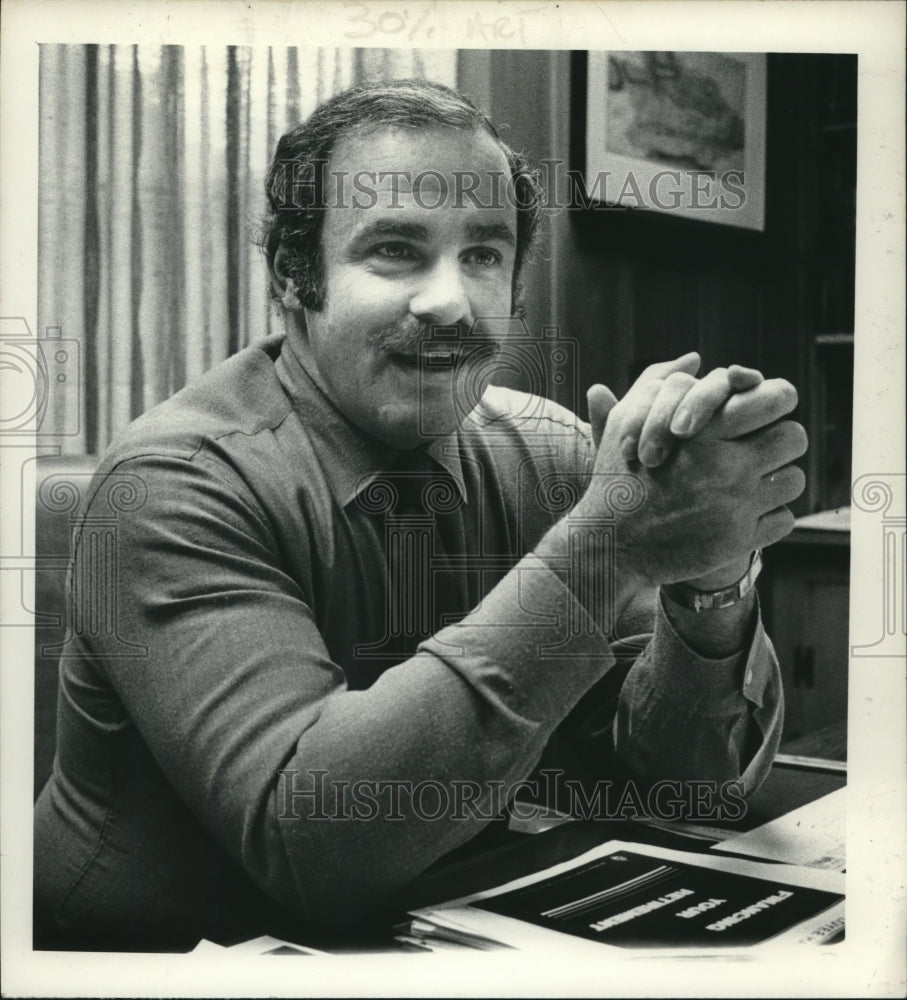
{"x":667,"y":404}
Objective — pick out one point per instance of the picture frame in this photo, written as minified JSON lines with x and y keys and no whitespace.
{"x":681,"y":133}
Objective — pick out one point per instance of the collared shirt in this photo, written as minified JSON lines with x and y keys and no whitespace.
{"x":285,"y":697}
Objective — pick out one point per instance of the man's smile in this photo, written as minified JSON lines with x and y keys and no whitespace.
{"x":437,"y":358}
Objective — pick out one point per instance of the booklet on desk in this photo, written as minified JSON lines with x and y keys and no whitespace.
{"x":624,"y":895}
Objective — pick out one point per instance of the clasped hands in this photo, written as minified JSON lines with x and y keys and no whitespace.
{"x":715,"y":458}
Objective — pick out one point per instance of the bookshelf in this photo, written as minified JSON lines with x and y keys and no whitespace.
{"x":829,"y":255}
{"x":805,"y":589}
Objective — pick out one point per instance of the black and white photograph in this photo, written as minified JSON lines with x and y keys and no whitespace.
{"x":453,"y":499}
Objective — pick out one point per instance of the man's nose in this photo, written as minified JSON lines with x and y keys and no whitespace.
{"x":441,"y":298}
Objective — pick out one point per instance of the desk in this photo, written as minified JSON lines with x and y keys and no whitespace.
{"x":507,"y":855}
{"x":829,"y":743}
{"x":784,"y":790}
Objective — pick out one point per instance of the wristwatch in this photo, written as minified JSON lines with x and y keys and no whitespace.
{"x":711,"y":600}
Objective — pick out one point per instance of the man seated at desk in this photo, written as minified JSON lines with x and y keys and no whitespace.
{"x":303,"y":502}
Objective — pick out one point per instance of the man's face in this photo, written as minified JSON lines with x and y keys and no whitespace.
{"x":394,"y":269}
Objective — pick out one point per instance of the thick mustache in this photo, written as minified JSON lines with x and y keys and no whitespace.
{"x":407,"y":336}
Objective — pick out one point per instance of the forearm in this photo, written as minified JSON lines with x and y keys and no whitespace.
{"x":470,"y":713}
{"x":684,"y":714}
{"x":715,"y":633}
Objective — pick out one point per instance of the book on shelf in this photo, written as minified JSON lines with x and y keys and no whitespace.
{"x":623,"y":895}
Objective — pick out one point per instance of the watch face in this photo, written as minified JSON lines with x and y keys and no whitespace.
{"x":706,"y":600}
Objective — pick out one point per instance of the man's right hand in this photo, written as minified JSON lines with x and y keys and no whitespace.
{"x":722,"y":492}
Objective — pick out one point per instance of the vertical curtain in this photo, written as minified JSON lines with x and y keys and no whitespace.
{"x":152,"y":162}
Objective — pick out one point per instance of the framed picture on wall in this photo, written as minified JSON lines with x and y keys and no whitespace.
{"x":678,"y":132}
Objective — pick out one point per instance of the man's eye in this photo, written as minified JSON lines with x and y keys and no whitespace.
{"x":483,"y":257}
{"x":394,"y":251}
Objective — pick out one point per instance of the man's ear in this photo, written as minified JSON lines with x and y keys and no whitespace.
{"x":284,"y":286}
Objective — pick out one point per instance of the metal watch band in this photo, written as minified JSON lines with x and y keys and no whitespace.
{"x":712,"y":600}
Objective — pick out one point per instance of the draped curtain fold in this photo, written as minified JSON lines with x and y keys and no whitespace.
{"x":152,"y":162}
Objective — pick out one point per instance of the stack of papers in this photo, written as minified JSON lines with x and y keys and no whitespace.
{"x":625,"y":895}
{"x":264,"y":945}
{"x":813,"y":835}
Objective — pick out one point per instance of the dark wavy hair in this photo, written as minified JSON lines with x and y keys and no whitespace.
{"x":293,"y":218}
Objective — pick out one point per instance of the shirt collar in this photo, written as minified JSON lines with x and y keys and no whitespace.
{"x":364,"y":457}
